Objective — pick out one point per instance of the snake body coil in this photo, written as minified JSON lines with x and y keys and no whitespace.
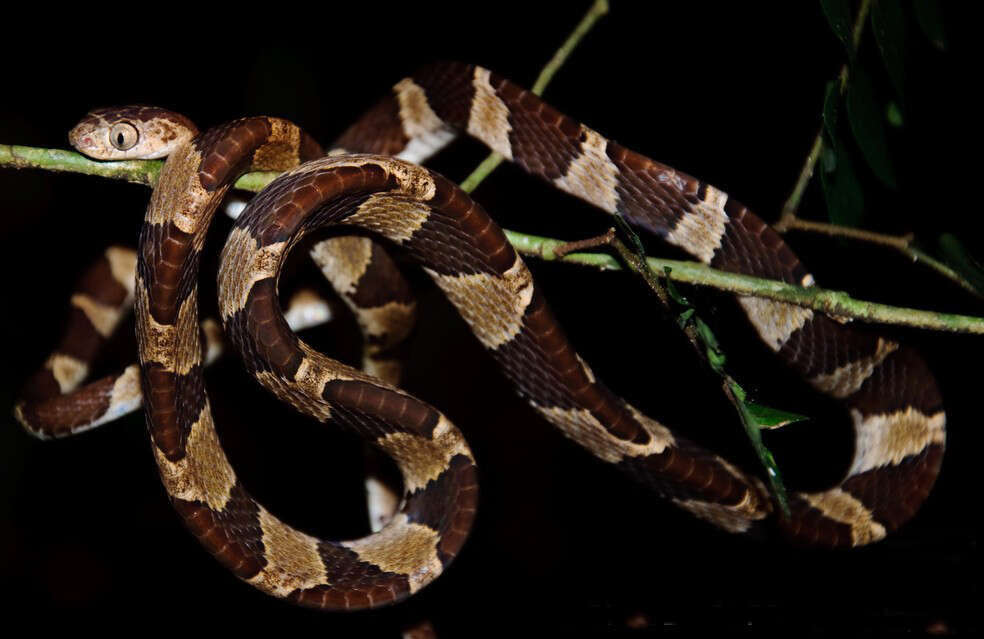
{"x":890,"y":395}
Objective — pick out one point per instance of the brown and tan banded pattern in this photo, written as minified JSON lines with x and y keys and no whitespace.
{"x":469,"y":257}
{"x":439,"y":503}
{"x":890,"y":395}
{"x":48,"y":411}
{"x":377,"y":294}
{"x":54,"y":404}
{"x":892,"y":398}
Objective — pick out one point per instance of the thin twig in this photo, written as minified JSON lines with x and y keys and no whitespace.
{"x":597,"y":10}
{"x":489,"y":164}
{"x":792,"y":203}
{"x":567,"y":248}
{"x":643,"y":270}
{"x":901,"y":243}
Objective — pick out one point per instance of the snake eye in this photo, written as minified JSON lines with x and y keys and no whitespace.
{"x":123,"y":136}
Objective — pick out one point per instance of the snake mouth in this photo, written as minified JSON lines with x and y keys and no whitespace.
{"x":80,"y":137}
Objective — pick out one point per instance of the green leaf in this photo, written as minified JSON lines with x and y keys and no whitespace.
{"x":930,"y":20}
{"x":831,"y":103}
{"x":775,"y":481}
{"x":672,"y":290}
{"x":962,"y":261}
{"x":893,"y":115}
{"x":768,"y":418}
{"x":838,"y":14}
{"x":841,"y":189}
{"x":716,"y":360}
{"x":888,"y":24}
{"x":868,"y":126}
{"x":754,"y":432}
{"x":707,"y":335}
{"x":714,"y":353}
{"x":685,"y":316}
{"x":828,"y":159}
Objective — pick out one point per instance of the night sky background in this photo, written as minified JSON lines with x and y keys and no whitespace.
{"x":563,"y":544}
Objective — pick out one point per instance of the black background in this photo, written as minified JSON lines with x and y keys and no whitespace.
{"x":563,"y":544}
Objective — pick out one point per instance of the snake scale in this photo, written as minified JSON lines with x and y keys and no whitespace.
{"x":370,"y":181}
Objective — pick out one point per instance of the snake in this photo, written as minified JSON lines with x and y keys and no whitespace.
{"x":371,"y":182}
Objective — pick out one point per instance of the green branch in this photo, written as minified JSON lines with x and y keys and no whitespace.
{"x":836,"y":303}
{"x":28,"y":157}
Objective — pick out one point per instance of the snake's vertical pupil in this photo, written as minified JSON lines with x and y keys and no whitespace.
{"x":123,"y":136}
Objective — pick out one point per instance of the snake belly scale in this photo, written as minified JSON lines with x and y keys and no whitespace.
{"x":369,"y":182}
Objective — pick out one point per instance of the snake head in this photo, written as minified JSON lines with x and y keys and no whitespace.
{"x":131,"y":133}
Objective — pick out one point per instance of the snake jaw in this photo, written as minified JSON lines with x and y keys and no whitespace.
{"x":83,"y":138}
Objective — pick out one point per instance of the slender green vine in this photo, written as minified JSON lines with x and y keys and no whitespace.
{"x":836,"y":303}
